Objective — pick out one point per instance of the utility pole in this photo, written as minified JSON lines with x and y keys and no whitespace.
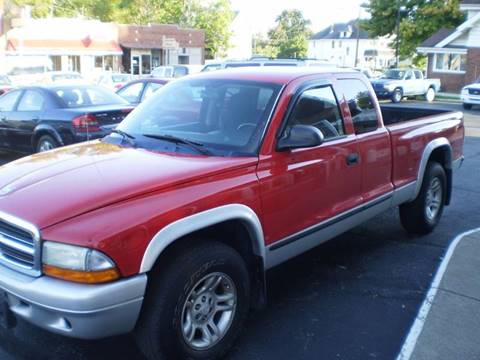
{"x":358,"y":38}
{"x":397,"y":51}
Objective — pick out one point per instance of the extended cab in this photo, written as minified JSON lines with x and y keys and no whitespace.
{"x":395,"y":84}
{"x":166,"y":227}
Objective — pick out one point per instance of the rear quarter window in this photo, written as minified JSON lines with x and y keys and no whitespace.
{"x":361,"y":105}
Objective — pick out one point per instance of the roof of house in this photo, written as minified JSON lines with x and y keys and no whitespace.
{"x":438,"y":36}
{"x":335,"y":32}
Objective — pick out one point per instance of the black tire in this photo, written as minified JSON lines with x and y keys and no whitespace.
{"x":45,"y":143}
{"x":158,"y":333}
{"x":397,"y":95}
{"x":413,"y":215}
{"x":467,"y":106}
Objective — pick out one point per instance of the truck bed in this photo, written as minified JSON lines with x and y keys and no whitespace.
{"x":394,"y":114}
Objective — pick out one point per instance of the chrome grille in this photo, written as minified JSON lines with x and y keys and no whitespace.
{"x":19,"y":245}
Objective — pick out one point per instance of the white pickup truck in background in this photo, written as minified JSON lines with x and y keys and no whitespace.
{"x":395,"y":84}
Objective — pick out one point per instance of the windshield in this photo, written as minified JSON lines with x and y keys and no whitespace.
{"x":88,"y":96}
{"x":227,"y":117}
{"x":393,"y":74}
{"x":120,"y":78}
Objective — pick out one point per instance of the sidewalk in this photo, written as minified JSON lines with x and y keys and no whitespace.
{"x":448,"y":324}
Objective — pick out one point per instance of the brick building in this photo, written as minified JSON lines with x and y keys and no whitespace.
{"x":91,"y":46}
{"x":147,"y":46}
{"x":454,"y":54}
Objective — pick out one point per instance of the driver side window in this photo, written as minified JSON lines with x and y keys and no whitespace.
{"x":318,"y":107}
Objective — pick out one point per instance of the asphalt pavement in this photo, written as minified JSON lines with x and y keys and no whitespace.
{"x":355,"y":297}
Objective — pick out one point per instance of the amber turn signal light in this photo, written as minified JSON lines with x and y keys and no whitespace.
{"x":84,"y":277}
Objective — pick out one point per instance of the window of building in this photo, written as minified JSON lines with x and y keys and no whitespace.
{"x":56,"y":62}
{"x":450,"y":62}
{"x":348,"y":51}
{"x":333,"y":44}
{"x":74,"y":63}
{"x":360,"y":104}
{"x":99,"y":62}
{"x":183,"y":59}
{"x":318,"y":107}
{"x":108,"y":63}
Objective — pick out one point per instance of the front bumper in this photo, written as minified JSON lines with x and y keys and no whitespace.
{"x":383,"y":94}
{"x":75,"y":310}
{"x":471,"y":99}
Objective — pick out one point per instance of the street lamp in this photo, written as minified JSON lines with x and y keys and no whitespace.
{"x":400,"y":9}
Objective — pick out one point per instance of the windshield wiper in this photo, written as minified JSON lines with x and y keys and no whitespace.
{"x":199,"y":147}
{"x":126,"y":136}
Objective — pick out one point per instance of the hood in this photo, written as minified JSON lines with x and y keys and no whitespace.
{"x":50,"y":187}
{"x":384,"y":81}
{"x":475,"y":86}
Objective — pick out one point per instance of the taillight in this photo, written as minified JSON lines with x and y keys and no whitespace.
{"x":118,"y":86}
{"x":85,"y":124}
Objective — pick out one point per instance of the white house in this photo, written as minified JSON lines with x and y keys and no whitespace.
{"x":454,"y":54}
{"x":341,"y":43}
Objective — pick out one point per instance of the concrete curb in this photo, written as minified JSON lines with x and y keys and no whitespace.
{"x":416,"y":330}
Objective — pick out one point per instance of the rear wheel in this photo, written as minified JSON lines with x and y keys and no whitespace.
{"x":430,"y":95}
{"x":196,"y":305}
{"x":422,"y":214}
{"x":46,"y":143}
{"x":467,"y":106}
{"x":397,"y":96}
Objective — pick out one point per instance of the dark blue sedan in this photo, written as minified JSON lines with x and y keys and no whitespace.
{"x":41,"y":118}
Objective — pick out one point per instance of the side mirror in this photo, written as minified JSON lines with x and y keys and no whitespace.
{"x":300,"y":136}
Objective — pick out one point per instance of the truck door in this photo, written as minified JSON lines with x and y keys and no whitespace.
{"x":372,"y":137}
{"x":419,"y":83}
{"x":304,"y":187}
{"x":410,"y":83}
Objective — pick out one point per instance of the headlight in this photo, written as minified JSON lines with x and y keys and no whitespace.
{"x":390,"y":87}
{"x":464,"y":91}
{"x":78,"y":264}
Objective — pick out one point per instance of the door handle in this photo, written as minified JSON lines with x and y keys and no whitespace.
{"x":353,"y":159}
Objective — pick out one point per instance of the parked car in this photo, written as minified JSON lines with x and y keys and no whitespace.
{"x":261,"y":61}
{"x":5,"y":84}
{"x":139,"y":90}
{"x":41,"y":118}
{"x":52,"y":77}
{"x":395,"y":84}
{"x":114,"y":81}
{"x":166,"y":228}
{"x":162,"y":72}
{"x":471,"y":95}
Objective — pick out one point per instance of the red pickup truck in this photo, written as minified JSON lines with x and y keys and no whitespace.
{"x":165,"y":228}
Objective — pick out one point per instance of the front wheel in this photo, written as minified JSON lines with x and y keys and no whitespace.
{"x":196,"y":305}
{"x":397,"y":96}
{"x":467,"y":106}
{"x":422,"y":215}
{"x":430,"y":95}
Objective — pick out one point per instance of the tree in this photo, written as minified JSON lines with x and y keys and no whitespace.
{"x":290,"y":35}
{"x":419,"y":20}
{"x":214,"y":16}
{"x":263,"y":47}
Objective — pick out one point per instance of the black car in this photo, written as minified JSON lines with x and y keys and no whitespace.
{"x":40,"y":118}
{"x":138,"y":90}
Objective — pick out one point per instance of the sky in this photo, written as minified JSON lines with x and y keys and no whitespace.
{"x":321,"y":13}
